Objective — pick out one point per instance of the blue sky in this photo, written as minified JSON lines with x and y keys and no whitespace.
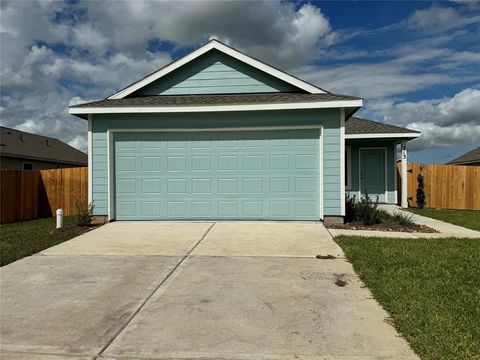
{"x":416,"y":64}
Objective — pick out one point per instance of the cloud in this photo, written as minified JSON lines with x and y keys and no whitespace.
{"x":274,"y":31}
{"x":443,"y":122}
{"x":55,"y":54}
{"x":372,"y":81}
{"x":437,"y":18}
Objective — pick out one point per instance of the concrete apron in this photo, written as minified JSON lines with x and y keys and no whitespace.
{"x":211,"y":301}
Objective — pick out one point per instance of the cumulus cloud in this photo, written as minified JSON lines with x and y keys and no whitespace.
{"x":443,"y":122}
{"x":274,"y":31}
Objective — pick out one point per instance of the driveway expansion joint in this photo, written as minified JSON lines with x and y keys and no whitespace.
{"x":149,"y":296}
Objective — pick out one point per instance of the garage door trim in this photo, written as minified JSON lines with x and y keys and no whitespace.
{"x":111,"y":155}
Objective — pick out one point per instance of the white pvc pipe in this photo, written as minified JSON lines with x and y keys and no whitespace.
{"x":59,"y":218}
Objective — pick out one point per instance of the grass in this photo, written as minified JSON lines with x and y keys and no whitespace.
{"x":466,"y":218}
{"x":431,"y":288}
{"x":29,"y":237}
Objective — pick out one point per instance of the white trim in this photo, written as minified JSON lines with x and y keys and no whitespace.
{"x":321,"y":175}
{"x":395,"y":194}
{"x":342,"y":161}
{"x":238,"y":128}
{"x":360,"y":169}
{"x":215,"y":108}
{"x":226,"y":50}
{"x":110,"y":171}
{"x":90,"y":160}
{"x":404,"y":158}
{"x":348,"y":155}
{"x":111,"y":153}
{"x":382,"y":135}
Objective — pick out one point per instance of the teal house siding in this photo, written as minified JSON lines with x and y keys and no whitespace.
{"x":215,"y":73}
{"x":328,"y":118}
{"x":355,"y":146}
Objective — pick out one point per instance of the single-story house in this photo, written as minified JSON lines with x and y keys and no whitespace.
{"x":20,"y":150}
{"x":218,"y":134}
{"x":470,"y":158}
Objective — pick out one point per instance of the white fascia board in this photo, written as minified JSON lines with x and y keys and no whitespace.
{"x":227,"y":50}
{"x":217,"y":108}
{"x":382,"y":135}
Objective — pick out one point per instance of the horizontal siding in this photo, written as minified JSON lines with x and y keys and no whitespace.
{"x":215,"y":73}
{"x":355,"y":145}
{"x":328,"y":118}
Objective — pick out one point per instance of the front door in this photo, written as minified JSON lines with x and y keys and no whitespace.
{"x":372,"y":173}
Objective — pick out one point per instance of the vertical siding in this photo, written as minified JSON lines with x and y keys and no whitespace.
{"x":391,"y":172}
{"x":329,"y":119}
{"x":215,"y":73}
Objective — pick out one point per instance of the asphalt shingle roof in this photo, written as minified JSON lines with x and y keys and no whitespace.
{"x":356,"y":125}
{"x":472,"y":156}
{"x":20,"y":144}
{"x":217,"y":99}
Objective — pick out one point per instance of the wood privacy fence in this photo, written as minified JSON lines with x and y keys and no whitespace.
{"x":33,"y":194}
{"x":445,"y":186}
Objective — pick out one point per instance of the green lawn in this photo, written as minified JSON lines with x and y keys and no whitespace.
{"x":431,"y":288}
{"x":29,"y":237}
{"x":466,"y":218}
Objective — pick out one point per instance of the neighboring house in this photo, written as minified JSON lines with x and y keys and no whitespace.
{"x":471,"y":158}
{"x":220,"y":135}
{"x":20,"y":150}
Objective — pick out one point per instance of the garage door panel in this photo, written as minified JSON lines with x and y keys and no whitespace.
{"x":223,"y":175}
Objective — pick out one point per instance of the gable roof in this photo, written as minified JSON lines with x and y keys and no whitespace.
{"x":24,"y":145}
{"x":472,"y":156}
{"x":358,"y":128}
{"x":215,"y":44}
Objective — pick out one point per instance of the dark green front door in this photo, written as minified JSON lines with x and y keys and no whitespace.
{"x":372,"y":173}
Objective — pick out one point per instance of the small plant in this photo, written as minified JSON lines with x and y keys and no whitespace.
{"x":84,"y":214}
{"x":350,"y":209}
{"x":420,"y":191}
{"x":403,"y":219}
{"x":367,"y":211}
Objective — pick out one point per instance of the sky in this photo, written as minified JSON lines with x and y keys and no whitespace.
{"x":416,"y":64}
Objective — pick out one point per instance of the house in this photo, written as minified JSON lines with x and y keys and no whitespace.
{"x":471,"y":158}
{"x":20,"y":150}
{"x":218,"y":134}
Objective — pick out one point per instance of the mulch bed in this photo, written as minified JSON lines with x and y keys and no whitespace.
{"x":386,"y":225}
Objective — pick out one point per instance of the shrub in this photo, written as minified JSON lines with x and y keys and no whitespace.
{"x":367,"y":211}
{"x":403,"y":219}
{"x":350,"y":209}
{"x":420,"y":192}
{"x":84,"y":214}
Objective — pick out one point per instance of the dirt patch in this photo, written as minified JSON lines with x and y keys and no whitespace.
{"x":326,"y":257}
{"x":386,"y":225}
{"x":74,"y":230}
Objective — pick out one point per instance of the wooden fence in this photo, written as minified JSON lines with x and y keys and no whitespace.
{"x":33,"y":194}
{"x":446,"y":186}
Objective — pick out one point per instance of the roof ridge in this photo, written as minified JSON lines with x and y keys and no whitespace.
{"x":30,"y":133}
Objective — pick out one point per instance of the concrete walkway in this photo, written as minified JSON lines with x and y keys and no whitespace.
{"x":444,"y":229}
{"x":159,"y":290}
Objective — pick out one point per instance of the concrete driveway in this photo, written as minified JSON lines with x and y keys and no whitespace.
{"x":228,"y":290}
